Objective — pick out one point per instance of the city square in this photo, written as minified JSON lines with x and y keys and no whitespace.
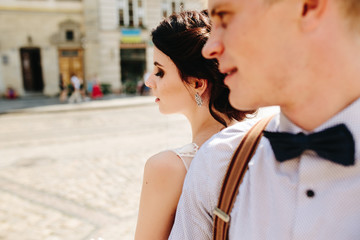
{"x":76,"y":174}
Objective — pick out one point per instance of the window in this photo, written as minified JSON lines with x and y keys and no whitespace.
{"x":121,"y":17}
{"x":69,"y":53}
{"x":131,"y":14}
{"x":69,"y":35}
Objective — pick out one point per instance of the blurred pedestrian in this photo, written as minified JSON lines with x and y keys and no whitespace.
{"x":10,"y":93}
{"x":96,"y":89}
{"x":89,"y":86}
{"x":76,"y":83}
{"x":63,"y":89}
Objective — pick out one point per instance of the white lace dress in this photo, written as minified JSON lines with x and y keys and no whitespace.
{"x":186,"y":153}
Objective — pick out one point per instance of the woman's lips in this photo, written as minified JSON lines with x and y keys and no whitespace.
{"x":157,"y":100}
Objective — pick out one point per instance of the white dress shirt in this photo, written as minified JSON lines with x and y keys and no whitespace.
{"x":301,"y":199}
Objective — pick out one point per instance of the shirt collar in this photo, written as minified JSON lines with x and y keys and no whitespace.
{"x":350,"y":116}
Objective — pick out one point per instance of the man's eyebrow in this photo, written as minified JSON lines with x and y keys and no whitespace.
{"x":158,"y":64}
{"x":214,"y":10}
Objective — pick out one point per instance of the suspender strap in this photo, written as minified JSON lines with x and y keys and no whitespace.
{"x":234,"y":176}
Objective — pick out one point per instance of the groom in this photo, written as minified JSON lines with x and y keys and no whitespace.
{"x":302,"y":55}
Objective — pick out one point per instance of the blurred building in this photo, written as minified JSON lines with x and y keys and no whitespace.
{"x":42,"y":41}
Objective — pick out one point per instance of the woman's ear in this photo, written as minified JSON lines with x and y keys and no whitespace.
{"x":199,"y":85}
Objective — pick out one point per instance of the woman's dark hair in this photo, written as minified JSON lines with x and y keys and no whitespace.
{"x":181,"y":37}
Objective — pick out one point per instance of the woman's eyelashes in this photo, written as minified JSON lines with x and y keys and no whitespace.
{"x":160,"y":73}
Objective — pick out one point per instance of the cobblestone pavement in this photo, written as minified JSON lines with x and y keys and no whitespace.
{"x":77,"y":175}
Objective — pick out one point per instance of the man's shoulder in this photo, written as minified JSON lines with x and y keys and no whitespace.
{"x":222,"y":145}
{"x":208,"y":167}
{"x":230,"y":136}
{"x":239,"y":127}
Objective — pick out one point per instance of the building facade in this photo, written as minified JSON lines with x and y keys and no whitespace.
{"x":42,"y":41}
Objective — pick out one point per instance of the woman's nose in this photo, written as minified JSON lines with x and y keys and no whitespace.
{"x":149,"y":82}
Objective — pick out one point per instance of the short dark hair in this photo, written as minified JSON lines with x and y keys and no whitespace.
{"x":351,"y":11}
{"x":181,"y":37}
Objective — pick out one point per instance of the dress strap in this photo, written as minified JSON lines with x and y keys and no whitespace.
{"x":186,"y":153}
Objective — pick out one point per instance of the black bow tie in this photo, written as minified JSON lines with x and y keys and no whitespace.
{"x":335,"y":144}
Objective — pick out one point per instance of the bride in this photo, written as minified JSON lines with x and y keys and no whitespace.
{"x":184,"y":82}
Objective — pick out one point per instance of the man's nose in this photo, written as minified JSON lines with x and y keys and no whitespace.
{"x":213,"y":48}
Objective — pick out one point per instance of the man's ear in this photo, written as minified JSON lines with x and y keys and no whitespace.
{"x":199,"y":85}
{"x":312,"y":13}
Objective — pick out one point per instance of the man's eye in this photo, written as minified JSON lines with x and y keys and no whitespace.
{"x":159,"y":73}
{"x":221,"y":15}
{"x":223,"y":18}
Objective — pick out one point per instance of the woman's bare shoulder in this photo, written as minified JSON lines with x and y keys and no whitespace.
{"x":162,"y":185}
{"x":165,"y":165}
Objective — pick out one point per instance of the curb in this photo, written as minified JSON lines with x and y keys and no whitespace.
{"x":86,"y":106}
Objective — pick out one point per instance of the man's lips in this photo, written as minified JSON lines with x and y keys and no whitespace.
{"x":228,"y":71}
{"x":229,"y":74}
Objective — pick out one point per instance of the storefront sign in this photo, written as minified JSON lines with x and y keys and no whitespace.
{"x":131,"y":35}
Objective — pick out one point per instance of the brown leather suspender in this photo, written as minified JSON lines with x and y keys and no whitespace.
{"x":234,"y":176}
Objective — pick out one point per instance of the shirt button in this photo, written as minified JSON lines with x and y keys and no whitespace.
{"x":310,"y":193}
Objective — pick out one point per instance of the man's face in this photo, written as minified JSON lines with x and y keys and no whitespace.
{"x":255,"y":44}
